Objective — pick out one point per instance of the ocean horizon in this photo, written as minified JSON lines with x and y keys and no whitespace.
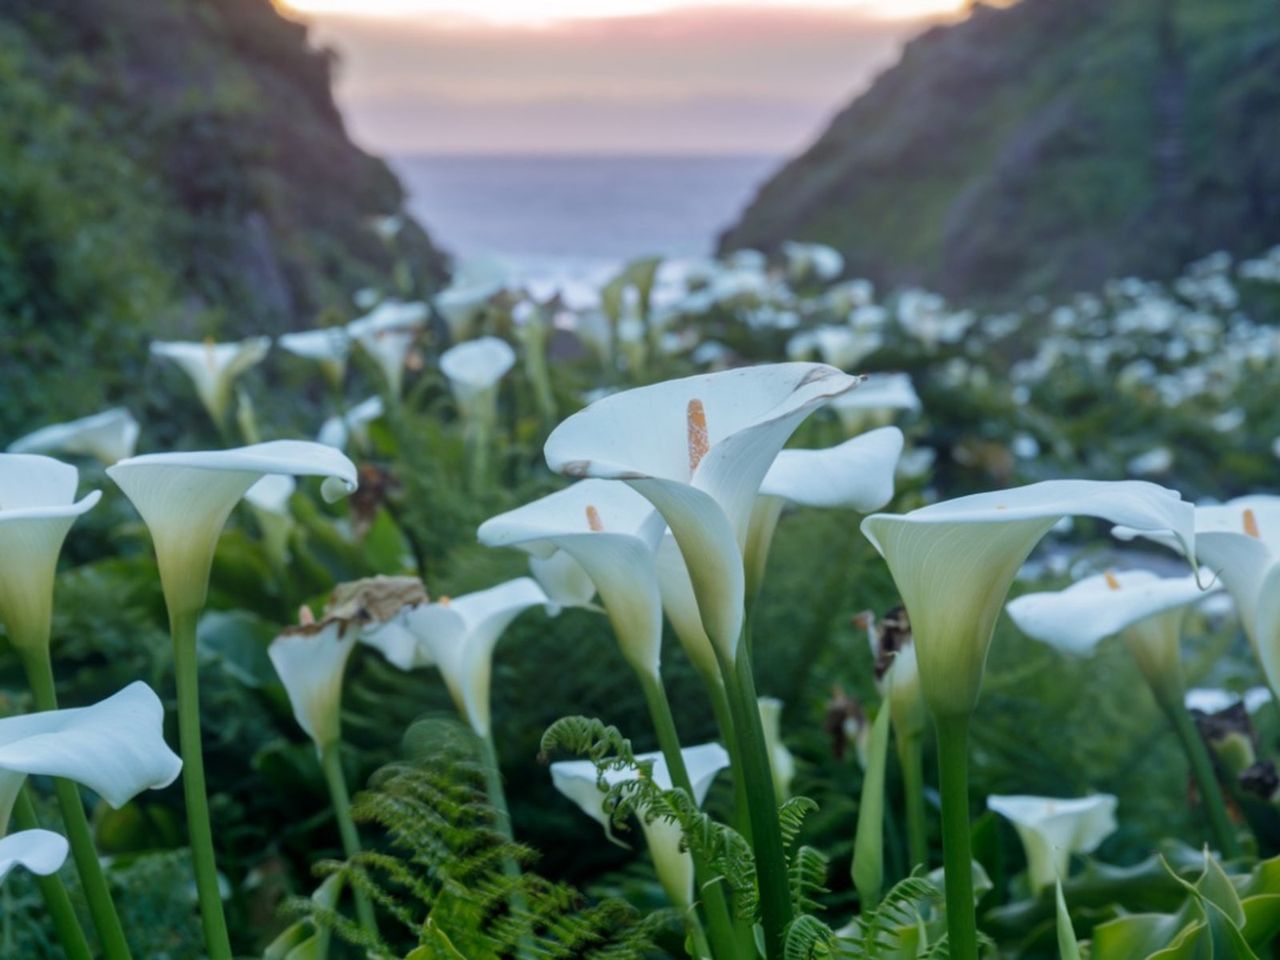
{"x":578,"y":217}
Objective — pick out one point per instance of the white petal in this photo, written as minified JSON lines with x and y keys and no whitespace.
{"x":395,"y":641}
{"x":109,"y":436}
{"x":1075,"y":620}
{"x":39,"y":851}
{"x":30,"y":482}
{"x":563,"y":580}
{"x":857,"y":474}
{"x":311,"y":663}
{"x":477,"y":364}
{"x":115,"y":748}
{"x":681,"y":608}
{"x":213,"y":366}
{"x":1051,"y":830}
{"x":329,"y":343}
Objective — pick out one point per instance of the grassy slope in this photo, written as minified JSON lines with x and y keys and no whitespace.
{"x":1047,"y":147}
{"x":170,"y":168}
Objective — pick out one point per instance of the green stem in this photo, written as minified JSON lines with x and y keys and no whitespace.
{"x":741,"y":819}
{"x":56,"y":901}
{"x":331,"y":761}
{"x":957,"y":854}
{"x":182,"y":625}
{"x":498,"y":800}
{"x":39,"y":667}
{"x":1206,"y":779}
{"x":911,"y":760}
{"x":719,"y":920}
{"x":701,"y":949}
{"x":766,"y":832}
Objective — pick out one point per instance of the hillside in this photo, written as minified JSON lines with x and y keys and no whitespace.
{"x":1046,"y":147}
{"x":171,"y":168}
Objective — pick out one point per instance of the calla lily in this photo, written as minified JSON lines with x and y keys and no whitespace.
{"x":387,"y":334}
{"x":698,"y":449}
{"x":855,"y":475}
{"x":108,"y":436}
{"x":269,"y":501}
{"x":311,"y":660}
{"x":473,"y":370}
{"x":213,"y":367}
{"x":41,"y":852}
{"x":563,"y":580}
{"x":459,"y":636}
{"x":781,"y":761}
{"x":876,"y":400}
{"x":352,"y":425}
{"x":465,"y":300}
{"x":37,"y":508}
{"x":1147,"y":610}
{"x":812,"y":260}
{"x":578,"y":780}
{"x":953,"y":563}
{"x":185,"y":499}
{"x":1240,"y":542}
{"x":329,"y":346}
{"x":115,"y":748}
{"x":379,"y":607}
{"x":1051,"y":830}
{"x":609,"y":530}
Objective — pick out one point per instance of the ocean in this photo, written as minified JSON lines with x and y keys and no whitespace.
{"x":578,"y":218}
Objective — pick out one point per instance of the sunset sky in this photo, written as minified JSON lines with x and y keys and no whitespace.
{"x":618,"y":76}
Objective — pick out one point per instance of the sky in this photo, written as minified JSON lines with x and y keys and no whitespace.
{"x":605,"y":76}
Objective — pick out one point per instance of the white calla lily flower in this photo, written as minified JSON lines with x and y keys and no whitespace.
{"x":269,"y":501}
{"x":855,"y":475}
{"x":310,"y":660}
{"x":41,"y":852}
{"x":874,"y":403}
{"x":387,"y":334}
{"x":1240,"y":542}
{"x":1145,"y":609}
{"x":337,"y":432}
{"x":213,"y":367}
{"x":463,"y":301}
{"x":37,"y":508}
{"x":459,"y":636}
{"x":578,"y":780}
{"x":610,"y":531}
{"x":698,"y":449}
{"x":953,"y":563}
{"x":107,"y":437}
{"x":563,"y":580}
{"x":115,"y":748}
{"x":185,"y":499}
{"x":473,"y":370}
{"x":1052,"y":830}
{"x":328,"y":346}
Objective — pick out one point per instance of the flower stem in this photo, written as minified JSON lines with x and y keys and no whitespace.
{"x":957,"y":855}
{"x":56,"y":901}
{"x":766,"y":832}
{"x":741,"y":820}
{"x":331,"y":761}
{"x":35,"y":658}
{"x":911,"y":760}
{"x":1206,"y":779}
{"x":719,"y":920}
{"x":182,"y":625}
{"x":498,"y":800}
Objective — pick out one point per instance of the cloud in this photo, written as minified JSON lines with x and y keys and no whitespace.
{"x":723,"y":80}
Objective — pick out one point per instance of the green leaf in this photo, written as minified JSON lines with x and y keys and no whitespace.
{"x":1068,"y":947}
{"x":868,"y":844}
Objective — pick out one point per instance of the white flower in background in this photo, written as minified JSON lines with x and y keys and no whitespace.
{"x":185,"y":499}
{"x":845,"y":347}
{"x":1210,"y":700}
{"x":953,"y":563}
{"x":916,"y":463}
{"x":893,"y":651}
{"x":330,"y":347}
{"x":464,"y":300}
{"x":578,"y":780}
{"x":781,"y":761}
{"x":310,"y":660}
{"x":213,"y":367}
{"x":877,"y":400}
{"x":387,"y":334}
{"x":851,"y":295}
{"x":108,"y":436}
{"x":474,"y":370}
{"x":698,"y":450}
{"x":812,"y":261}
{"x":41,"y":852}
{"x":925,"y":317}
{"x":269,"y":501}
{"x":388,"y":226}
{"x":1052,"y":830}
{"x":37,"y":508}
{"x":115,"y":748}
{"x":459,"y":635}
{"x":353,"y":425}
{"x":610,"y":531}
{"x":1144,"y":609}
{"x":1155,"y":461}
